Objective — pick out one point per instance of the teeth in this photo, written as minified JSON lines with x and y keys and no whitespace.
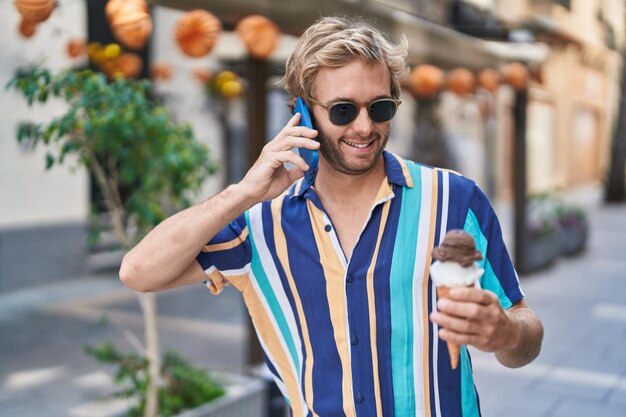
{"x":358,"y":145}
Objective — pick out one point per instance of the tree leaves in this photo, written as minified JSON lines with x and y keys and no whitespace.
{"x":152,"y":161}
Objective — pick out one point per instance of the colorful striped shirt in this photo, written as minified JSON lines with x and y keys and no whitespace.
{"x":351,"y":337}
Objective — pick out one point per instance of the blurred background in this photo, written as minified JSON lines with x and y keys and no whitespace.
{"x":526,"y":97}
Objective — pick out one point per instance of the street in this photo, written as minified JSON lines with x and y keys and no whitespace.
{"x":580,"y":372}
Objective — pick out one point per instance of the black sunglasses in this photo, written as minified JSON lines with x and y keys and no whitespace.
{"x":343,"y":113}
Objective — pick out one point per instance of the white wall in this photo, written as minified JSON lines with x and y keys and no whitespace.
{"x":30,"y":195}
{"x":186,"y":97}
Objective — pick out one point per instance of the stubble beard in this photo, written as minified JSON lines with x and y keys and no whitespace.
{"x":330,"y":150}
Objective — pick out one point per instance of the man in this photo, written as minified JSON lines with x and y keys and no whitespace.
{"x":336,"y":275}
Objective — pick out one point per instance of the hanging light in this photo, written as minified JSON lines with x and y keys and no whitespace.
{"x":130,"y":22}
{"x":489,"y":79}
{"x":76,"y":47}
{"x":129,"y":65}
{"x":461,"y":81}
{"x":516,"y":74}
{"x":202,"y":74}
{"x":259,"y":34}
{"x":27,"y":28}
{"x":161,"y":71}
{"x":35,"y":10}
{"x":196,"y":32}
{"x":425,"y":81}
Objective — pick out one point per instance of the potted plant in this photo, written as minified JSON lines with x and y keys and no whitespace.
{"x":542,"y":240}
{"x":144,"y":164}
{"x":185,"y":391}
{"x":573,"y":229}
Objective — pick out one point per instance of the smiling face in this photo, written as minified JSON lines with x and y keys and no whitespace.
{"x":356,"y":148}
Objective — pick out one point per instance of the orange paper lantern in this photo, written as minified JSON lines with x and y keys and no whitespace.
{"x":27,"y":28}
{"x":76,"y":47}
{"x":461,"y":81}
{"x":130,"y":22}
{"x":259,"y":34}
{"x":162,"y":71}
{"x":114,"y":8}
{"x":516,"y":75}
{"x":196,"y":32}
{"x":489,"y":79}
{"x":109,"y":68}
{"x":202,"y":74}
{"x":129,"y":65}
{"x":426,"y":80}
{"x":35,"y":10}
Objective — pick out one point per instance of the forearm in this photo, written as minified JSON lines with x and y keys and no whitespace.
{"x":172,"y":246}
{"x":526,"y":335}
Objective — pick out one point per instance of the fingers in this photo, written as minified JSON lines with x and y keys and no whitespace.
{"x":296,"y":142}
{"x":462,"y":338}
{"x":295,"y":119}
{"x":280,"y":158}
{"x":471,"y":316}
{"x":455,"y":324}
{"x":459,"y":308}
{"x":473,"y":295}
{"x":294,"y":136}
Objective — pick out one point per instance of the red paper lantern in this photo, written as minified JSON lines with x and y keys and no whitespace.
{"x":196,"y":32}
{"x":516,"y":75}
{"x":35,"y":10}
{"x":259,"y":34}
{"x":461,"y":81}
{"x":426,"y":80}
{"x":27,"y":28}
{"x":162,"y":71}
{"x":76,"y":47}
{"x":130,"y":22}
{"x":129,"y":65}
{"x":489,"y":79}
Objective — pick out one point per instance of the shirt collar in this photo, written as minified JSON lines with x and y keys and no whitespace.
{"x":396,"y":171}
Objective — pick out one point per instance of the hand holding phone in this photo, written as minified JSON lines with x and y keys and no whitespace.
{"x":309,"y":156}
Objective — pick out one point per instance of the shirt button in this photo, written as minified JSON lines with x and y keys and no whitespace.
{"x":349,"y":279}
{"x":328,"y":228}
{"x":354,"y":340}
{"x":359,"y":398}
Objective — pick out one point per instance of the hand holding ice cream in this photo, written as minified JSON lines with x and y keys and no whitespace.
{"x":455,"y":266}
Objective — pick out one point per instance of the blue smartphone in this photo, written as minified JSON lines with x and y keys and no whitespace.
{"x":309,"y":156}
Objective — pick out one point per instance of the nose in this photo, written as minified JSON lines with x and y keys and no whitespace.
{"x":362,"y":124}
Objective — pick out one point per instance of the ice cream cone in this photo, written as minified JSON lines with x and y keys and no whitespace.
{"x":453,"y":349}
{"x":455,"y":266}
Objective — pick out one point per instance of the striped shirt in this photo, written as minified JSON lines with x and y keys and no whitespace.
{"x":352,"y":336}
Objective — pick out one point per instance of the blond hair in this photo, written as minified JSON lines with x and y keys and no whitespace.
{"x":333,"y":42}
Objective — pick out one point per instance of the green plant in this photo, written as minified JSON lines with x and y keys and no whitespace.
{"x":182,"y":387}
{"x":541,"y":217}
{"x":145,"y":164}
{"x":571,"y":216}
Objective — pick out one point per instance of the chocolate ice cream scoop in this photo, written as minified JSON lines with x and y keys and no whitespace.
{"x":457,"y":246}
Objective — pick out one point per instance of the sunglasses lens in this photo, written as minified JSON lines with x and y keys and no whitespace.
{"x":383,"y":110}
{"x":342,"y":113}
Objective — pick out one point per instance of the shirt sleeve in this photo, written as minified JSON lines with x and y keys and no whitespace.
{"x":226,"y":258}
{"x":500,"y":275}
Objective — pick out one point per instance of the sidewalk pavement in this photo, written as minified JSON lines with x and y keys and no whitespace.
{"x":580,"y":372}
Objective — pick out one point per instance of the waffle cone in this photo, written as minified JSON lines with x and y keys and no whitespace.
{"x":453,"y":349}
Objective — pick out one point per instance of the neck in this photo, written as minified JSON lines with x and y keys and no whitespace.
{"x":344,"y":188}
